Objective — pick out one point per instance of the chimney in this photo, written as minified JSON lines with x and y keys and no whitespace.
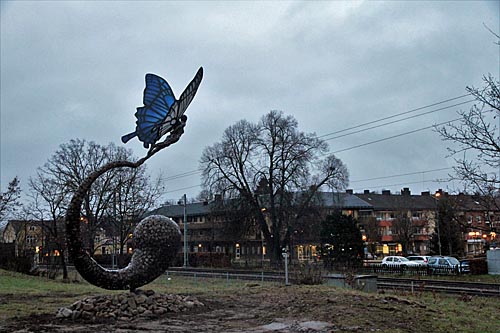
{"x":386,"y":192}
{"x":366,"y":192}
{"x":349,"y":191}
{"x":425,"y":194}
{"x":218,"y":197}
{"x":405,"y":191}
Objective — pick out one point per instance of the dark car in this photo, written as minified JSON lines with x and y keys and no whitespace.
{"x":443,"y":265}
{"x":464,"y":266}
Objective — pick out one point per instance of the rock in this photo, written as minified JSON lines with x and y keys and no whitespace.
{"x":140,"y":299}
{"x":87,"y":315}
{"x":132,"y":304}
{"x":146,"y":313}
{"x":64,"y":313}
{"x":76,"y":315}
{"x":88,"y":307}
{"x":77,"y":305}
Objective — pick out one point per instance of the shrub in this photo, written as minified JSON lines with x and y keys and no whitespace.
{"x":308,"y":274}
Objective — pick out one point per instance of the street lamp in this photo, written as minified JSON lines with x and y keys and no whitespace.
{"x":436,"y":197}
{"x":186,"y":260}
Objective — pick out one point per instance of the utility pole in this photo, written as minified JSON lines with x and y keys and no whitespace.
{"x":436,"y":198}
{"x":186,"y":258}
{"x":113,"y":256}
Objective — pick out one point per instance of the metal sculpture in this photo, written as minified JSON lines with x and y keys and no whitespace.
{"x":157,"y":238}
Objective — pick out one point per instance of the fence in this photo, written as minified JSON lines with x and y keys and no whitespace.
{"x":228,"y":277}
{"x":420,"y":270}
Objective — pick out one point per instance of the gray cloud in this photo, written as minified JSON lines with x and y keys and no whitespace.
{"x":76,"y":70}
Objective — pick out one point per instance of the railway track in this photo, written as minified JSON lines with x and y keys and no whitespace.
{"x":442,"y":286}
{"x":383,"y":283}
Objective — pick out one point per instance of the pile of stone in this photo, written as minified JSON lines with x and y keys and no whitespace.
{"x":128,"y":306}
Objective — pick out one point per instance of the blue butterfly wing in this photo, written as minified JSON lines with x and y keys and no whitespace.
{"x":180,"y":106}
{"x":158,"y":92}
{"x":158,"y":100}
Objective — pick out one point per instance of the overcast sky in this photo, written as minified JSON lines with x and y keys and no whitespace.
{"x":74,"y":69}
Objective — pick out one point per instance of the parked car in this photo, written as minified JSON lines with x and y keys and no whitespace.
{"x":443,"y":265}
{"x":422,"y":260}
{"x":392,"y":261}
{"x":464,"y":266}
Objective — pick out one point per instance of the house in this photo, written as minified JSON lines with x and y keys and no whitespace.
{"x":479,"y":217}
{"x":213,"y":228}
{"x":402,"y":219}
{"x":26,"y":236}
{"x":391,"y":223}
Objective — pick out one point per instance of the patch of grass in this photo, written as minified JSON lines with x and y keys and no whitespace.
{"x":22,"y":295}
{"x":200,"y":286}
{"x":348,"y":310}
{"x":463,"y":314}
{"x":11,"y":282}
{"x":485,"y":278}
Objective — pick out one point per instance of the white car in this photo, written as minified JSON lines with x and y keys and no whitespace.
{"x":420,"y":259}
{"x":397,"y":261}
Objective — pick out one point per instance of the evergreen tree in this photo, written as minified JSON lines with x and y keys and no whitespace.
{"x":342,"y":242}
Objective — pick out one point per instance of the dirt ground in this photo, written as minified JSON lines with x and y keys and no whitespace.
{"x":265,"y":309}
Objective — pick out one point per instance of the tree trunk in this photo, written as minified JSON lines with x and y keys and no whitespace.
{"x":63,"y":263}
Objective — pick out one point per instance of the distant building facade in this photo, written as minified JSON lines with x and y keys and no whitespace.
{"x":401,"y":223}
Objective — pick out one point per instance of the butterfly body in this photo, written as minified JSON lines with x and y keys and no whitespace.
{"x":161,"y":111}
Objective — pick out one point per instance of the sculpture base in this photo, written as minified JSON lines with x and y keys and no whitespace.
{"x":128,"y":306}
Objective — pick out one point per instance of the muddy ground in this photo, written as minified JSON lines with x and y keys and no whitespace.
{"x":265,"y":309}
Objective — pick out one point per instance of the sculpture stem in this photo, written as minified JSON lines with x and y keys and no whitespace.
{"x":88,"y":268}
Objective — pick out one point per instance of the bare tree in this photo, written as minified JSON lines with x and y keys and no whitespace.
{"x":48,"y":205}
{"x":403,"y":228}
{"x":134,"y":193}
{"x":265,"y":165}
{"x":372,"y":232}
{"x":67,"y":168}
{"x":9,"y":200}
{"x":451,"y":226}
{"x":476,"y":140}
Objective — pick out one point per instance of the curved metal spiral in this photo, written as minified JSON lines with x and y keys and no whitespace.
{"x":157,"y":238}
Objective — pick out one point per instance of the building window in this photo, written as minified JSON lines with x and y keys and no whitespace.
{"x":30,"y":240}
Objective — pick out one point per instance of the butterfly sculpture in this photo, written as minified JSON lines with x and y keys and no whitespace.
{"x":157,"y":238}
{"x":161,"y":112}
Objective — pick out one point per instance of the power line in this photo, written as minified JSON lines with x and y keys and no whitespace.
{"x":396,"y":121}
{"x":182,"y":175}
{"x":401,"y":184}
{"x":392,"y":137}
{"x":362,"y":180}
{"x":342,"y":150}
{"x":197,"y":171}
{"x":395,"y":115}
{"x":182,"y":189}
{"x":400,"y":175}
